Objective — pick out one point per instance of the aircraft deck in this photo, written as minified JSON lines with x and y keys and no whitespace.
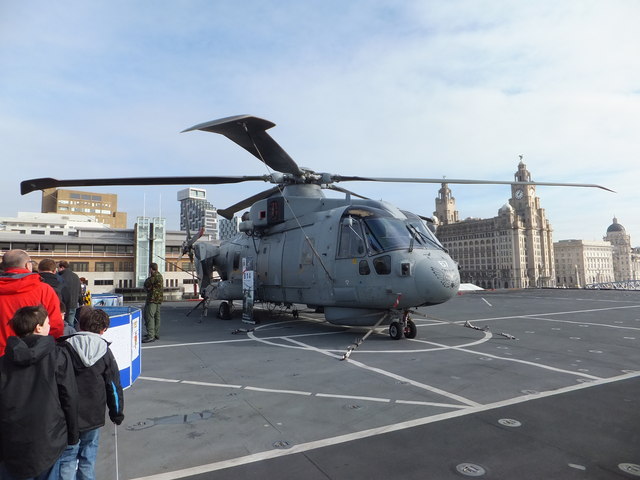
{"x":560,"y":401}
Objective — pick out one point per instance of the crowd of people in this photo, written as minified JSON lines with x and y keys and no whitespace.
{"x":57,"y":373}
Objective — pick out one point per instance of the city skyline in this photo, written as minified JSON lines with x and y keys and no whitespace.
{"x":369,"y":88}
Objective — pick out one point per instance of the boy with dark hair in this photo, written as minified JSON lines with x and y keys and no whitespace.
{"x":98,"y":379}
{"x":38,"y":399}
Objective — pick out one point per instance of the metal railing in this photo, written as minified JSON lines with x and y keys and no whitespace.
{"x":623,"y":285}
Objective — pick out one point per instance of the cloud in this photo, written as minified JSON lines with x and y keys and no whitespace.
{"x":417,"y":89}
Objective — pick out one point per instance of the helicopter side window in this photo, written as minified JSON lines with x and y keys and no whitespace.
{"x":351,"y":242}
{"x":363,"y":268}
{"x":382,"y":265}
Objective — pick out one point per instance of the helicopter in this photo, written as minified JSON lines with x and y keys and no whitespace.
{"x":361,"y":262}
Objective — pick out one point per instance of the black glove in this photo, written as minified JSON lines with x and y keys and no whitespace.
{"x":117,"y":419}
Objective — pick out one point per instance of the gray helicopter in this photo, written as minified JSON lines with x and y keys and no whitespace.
{"x":362,"y":262}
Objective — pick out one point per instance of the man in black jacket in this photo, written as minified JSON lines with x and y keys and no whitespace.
{"x":38,"y":399}
{"x":72,"y":281}
{"x":98,"y":379}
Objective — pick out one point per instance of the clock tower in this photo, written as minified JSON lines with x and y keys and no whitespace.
{"x":537,"y":268}
{"x":522,"y":196}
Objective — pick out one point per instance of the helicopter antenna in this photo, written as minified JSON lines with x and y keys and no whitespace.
{"x":286,"y":200}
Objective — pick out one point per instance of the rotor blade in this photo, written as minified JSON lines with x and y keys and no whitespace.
{"x":250,"y":133}
{"x":28,"y":186}
{"x":345,"y":191}
{"x":247,"y":202}
{"x":342,"y":178}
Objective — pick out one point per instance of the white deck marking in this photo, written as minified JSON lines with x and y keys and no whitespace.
{"x":622,"y":327}
{"x":305,"y":447}
{"x":339,"y":353}
{"x":516,"y":360}
{"x":485,"y":301}
{"x":354,"y":397}
{"x":302,"y":393}
{"x":400,"y":378}
{"x":273,"y":390}
{"x":569,"y":312}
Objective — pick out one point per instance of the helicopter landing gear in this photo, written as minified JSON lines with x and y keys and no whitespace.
{"x":410,"y":331}
{"x":405,"y":327}
{"x":224,"y":310}
{"x":395,"y":330}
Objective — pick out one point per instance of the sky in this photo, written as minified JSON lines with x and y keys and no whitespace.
{"x":424,"y":88}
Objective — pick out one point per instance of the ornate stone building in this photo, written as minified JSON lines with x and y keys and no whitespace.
{"x":512,"y":250}
{"x":626,"y":260}
{"x":581,"y":262}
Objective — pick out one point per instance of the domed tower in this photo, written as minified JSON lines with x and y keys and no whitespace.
{"x":617,"y":236}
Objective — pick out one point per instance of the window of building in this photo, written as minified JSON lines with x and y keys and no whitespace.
{"x":187,"y":266}
{"x":125,"y":266}
{"x":104,"y":267}
{"x":79,"y":266}
{"x":103,"y":282}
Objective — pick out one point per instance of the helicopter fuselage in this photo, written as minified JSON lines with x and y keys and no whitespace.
{"x":354,"y":258}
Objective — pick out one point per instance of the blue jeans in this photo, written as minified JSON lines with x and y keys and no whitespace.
{"x":52,"y":473}
{"x":78,"y":461}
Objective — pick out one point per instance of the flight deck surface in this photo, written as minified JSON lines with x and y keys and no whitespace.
{"x":551,"y":389}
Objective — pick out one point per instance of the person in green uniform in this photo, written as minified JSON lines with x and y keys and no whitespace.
{"x":153,"y":286}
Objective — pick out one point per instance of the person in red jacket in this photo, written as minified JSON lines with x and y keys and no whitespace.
{"x":21,"y":287}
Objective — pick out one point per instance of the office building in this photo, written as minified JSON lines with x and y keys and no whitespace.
{"x":103,"y":206}
{"x":31,"y":223}
{"x":196,"y":212}
{"x":114,"y":260}
{"x":228,"y":228}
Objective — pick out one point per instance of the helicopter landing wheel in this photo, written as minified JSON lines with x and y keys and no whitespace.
{"x":224,"y":311}
{"x":410,"y":331}
{"x":395,"y":330}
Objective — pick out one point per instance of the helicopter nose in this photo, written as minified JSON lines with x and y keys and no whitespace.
{"x":437,"y":280}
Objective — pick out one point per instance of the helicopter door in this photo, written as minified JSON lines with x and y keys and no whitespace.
{"x":348,"y":268}
{"x":298,"y":267}
{"x":269,"y":266}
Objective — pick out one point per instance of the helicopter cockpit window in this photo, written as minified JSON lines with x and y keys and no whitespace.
{"x":351,"y":242}
{"x":386,"y":233}
{"x":382,"y":265}
{"x":421,"y":232}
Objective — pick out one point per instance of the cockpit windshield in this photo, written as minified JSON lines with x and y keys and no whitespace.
{"x":418,"y":226}
{"x":384,"y":232}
